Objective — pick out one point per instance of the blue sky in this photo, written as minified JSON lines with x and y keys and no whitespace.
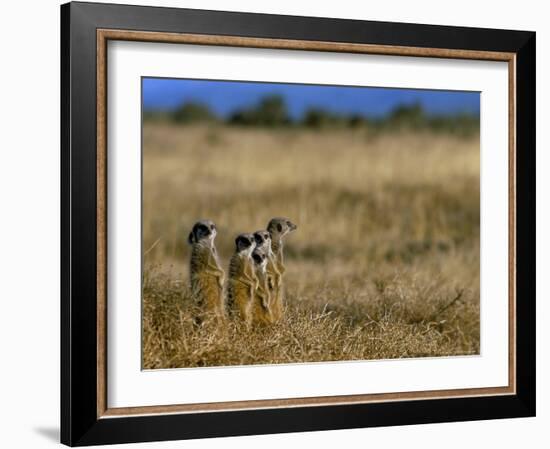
{"x":224,"y":97}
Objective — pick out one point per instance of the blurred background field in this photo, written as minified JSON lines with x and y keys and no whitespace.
{"x":385,"y":261}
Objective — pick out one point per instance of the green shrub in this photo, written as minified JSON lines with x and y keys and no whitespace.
{"x":270,"y":112}
{"x":193,"y":112}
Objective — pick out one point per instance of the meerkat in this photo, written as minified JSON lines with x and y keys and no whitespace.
{"x":205,"y":274}
{"x":242,"y":281}
{"x":278,"y":228}
{"x":261,"y":307}
{"x":263,"y":242}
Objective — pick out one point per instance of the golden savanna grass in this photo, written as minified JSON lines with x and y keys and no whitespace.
{"x":384,"y":264}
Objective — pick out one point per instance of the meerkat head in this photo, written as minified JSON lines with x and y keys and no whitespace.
{"x":278,"y":227}
{"x":204,"y":231}
{"x":263,"y":240}
{"x":245,"y":243}
{"x":260,"y":259}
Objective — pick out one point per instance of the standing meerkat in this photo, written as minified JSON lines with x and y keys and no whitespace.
{"x":242,"y":281}
{"x":278,"y":228}
{"x":205,"y":273}
{"x":263,"y":242}
{"x":261,"y":307}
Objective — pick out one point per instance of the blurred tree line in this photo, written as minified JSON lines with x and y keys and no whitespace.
{"x":272,"y":112}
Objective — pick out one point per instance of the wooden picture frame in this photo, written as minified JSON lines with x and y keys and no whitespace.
{"x":86,"y":29}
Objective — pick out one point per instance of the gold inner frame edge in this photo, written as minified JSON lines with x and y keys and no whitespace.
{"x":104,"y":35}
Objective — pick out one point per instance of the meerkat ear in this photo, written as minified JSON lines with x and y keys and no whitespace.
{"x":191,"y":238}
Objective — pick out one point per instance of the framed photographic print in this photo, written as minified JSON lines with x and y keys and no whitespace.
{"x":278,"y":224}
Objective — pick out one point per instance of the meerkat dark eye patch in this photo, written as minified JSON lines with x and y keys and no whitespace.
{"x":242,"y":242}
{"x":200,"y":231}
{"x":258,"y":238}
{"x":279,"y":227}
{"x":257,"y":258}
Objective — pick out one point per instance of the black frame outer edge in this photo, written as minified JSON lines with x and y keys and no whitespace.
{"x":526,"y":223}
{"x":65,"y":227}
{"x":79,"y":423}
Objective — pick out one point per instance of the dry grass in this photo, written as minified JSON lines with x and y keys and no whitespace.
{"x":385,"y":262}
